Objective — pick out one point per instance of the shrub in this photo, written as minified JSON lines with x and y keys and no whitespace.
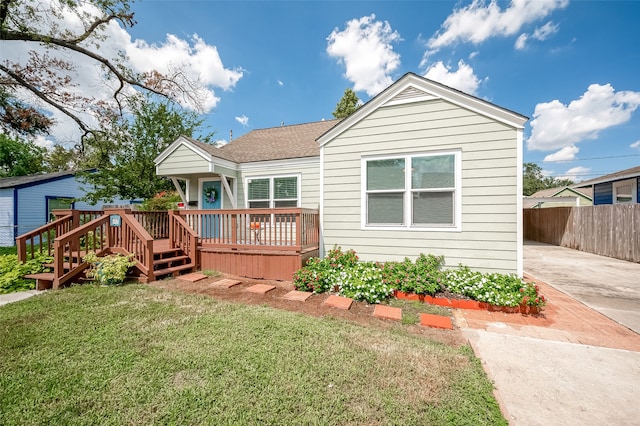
{"x":12,"y":271}
{"x":323,"y":275}
{"x":374,"y":282}
{"x":493,"y":288}
{"x":166,"y":200}
{"x":111,"y":269}
{"x":363,"y":282}
{"x":421,"y":277}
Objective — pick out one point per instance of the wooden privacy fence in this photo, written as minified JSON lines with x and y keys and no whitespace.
{"x":609,"y":230}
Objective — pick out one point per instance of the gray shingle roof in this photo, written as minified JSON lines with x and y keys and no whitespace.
{"x":622,"y":174}
{"x":18,"y":181}
{"x":276,"y":143}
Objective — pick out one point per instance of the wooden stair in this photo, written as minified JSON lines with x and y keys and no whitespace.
{"x":171,"y":262}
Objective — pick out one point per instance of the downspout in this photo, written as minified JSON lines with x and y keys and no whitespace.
{"x":15,"y":214}
{"x":321,"y":212}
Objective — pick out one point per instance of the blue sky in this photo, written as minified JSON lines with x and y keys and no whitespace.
{"x":571,"y":66}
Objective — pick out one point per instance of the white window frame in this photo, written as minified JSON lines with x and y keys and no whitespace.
{"x":634,"y":190}
{"x":271,"y":178}
{"x":408,"y":193}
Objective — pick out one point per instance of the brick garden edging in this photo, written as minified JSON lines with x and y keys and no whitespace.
{"x":466,"y":304}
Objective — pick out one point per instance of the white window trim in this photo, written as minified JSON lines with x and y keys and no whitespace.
{"x":407,"y":226}
{"x":247,"y":179}
{"x":634,"y":190}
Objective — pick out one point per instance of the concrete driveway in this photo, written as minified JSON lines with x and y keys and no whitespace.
{"x":570,"y":365}
{"x":610,"y":286}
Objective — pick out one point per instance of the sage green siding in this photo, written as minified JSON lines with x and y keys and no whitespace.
{"x":182,"y":161}
{"x":489,"y":235}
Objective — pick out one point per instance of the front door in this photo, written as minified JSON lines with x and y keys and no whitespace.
{"x":210,"y":199}
{"x":211,"y":194}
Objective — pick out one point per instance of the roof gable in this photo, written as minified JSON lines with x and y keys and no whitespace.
{"x":413,"y":88}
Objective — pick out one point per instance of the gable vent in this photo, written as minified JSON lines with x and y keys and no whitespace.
{"x":410,"y":94}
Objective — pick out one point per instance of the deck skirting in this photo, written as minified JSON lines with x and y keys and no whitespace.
{"x":257,"y":264}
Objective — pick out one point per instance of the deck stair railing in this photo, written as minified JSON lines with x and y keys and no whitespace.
{"x":182,"y":236}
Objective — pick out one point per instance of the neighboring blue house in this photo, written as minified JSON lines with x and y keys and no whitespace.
{"x":621,"y":187}
{"x":26,"y":202}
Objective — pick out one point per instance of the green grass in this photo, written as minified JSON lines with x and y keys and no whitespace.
{"x":140,"y":355}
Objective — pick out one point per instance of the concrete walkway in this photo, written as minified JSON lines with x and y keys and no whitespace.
{"x":14,"y":297}
{"x":573,"y":363}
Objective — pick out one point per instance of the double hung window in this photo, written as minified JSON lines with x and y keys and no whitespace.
{"x":413,"y":191}
{"x":625,"y":191}
{"x":273,"y":192}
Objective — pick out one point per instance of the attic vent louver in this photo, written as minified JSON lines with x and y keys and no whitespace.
{"x":409,"y":93}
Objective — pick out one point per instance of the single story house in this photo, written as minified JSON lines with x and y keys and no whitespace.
{"x":26,"y":202}
{"x":420,"y":168}
{"x":621,"y":187}
{"x":564,"y":196}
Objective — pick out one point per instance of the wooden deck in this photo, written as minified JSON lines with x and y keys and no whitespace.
{"x":253,"y":243}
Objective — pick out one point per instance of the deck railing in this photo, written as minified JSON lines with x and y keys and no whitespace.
{"x":266,"y":229}
{"x":40,"y":240}
{"x":156,"y":223}
{"x":182,"y":236}
{"x":130,"y":237}
{"x":70,"y":249}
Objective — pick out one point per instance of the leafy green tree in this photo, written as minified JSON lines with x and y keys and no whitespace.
{"x":128,"y":148}
{"x":534,"y":181}
{"x":347,"y":105}
{"x":60,"y":159}
{"x":20,"y":158}
{"x":51,"y":56}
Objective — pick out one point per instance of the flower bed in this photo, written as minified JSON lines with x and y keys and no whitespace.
{"x":422,"y":279}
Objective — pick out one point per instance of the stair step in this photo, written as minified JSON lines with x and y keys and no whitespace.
{"x":44,"y":280}
{"x":174,"y":270}
{"x":170,"y":260}
{"x":166,"y":254}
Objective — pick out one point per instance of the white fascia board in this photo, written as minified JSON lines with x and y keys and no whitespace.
{"x":279,"y":164}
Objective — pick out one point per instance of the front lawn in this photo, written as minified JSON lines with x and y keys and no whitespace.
{"x":139,"y":355}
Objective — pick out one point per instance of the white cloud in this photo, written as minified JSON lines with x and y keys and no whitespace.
{"x":480,"y":21}
{"x":636,"y":144}
{"x":463,"y":79}
{"x":521,"y":41}
{"x":43,"y":141}
{"x":243,"y":119}
{"x":544,"y":32}
{"x":567,"y":153}
{"x":576,"y":174}
{"x":194,"y":59}
{"x":556,"y":125}
{"x":197,"y":60}
{"x":541,"y":33}
{"x":280,"y":83}
{"x":365,"y":47}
